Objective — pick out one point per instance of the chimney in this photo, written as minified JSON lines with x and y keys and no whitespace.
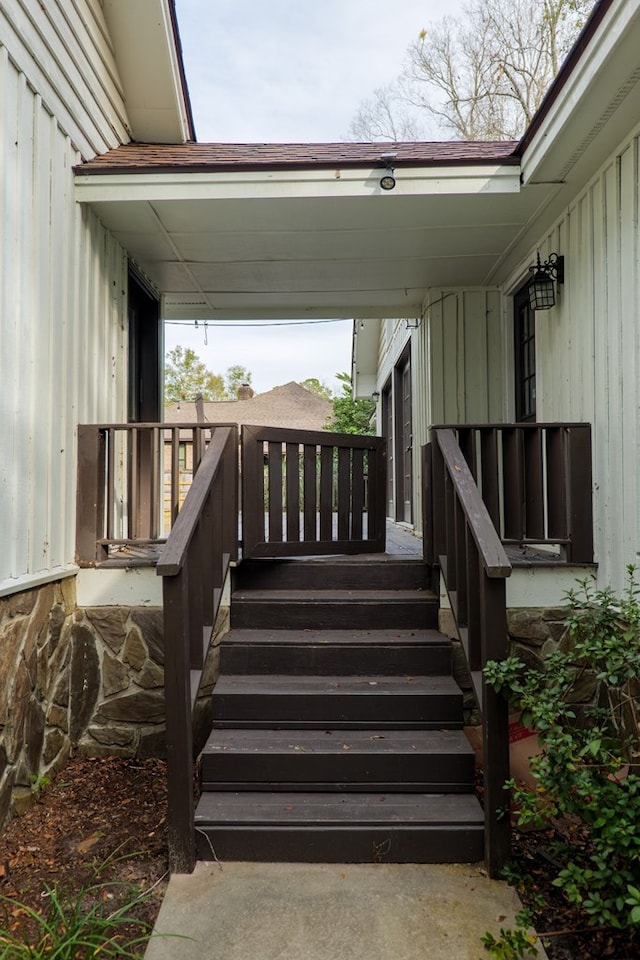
{"x":245,"y":392}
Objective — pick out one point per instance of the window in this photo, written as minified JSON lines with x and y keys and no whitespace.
{"x":525,"y":356}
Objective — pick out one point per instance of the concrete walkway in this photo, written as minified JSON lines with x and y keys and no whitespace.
{"x":266,"y":911}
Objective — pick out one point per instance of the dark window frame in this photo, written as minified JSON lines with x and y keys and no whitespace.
{"x":524,"y":343}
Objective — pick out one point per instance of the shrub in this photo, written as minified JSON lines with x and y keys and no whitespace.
{"x":588,"y":771}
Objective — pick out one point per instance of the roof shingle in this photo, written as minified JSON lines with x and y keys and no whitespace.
{"x":204,"y":157}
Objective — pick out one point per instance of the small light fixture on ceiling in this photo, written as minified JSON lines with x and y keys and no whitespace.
{"x":542,"y":295}
{"x":387,"y":180}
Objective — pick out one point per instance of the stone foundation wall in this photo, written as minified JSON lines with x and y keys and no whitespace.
{"x":88,"y":681}
{"x":534,"y":632}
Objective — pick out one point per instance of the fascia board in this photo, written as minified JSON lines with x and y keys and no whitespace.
{"x":149,"y":69}
{"x":316,"y":183}
{"x":590,"y":93}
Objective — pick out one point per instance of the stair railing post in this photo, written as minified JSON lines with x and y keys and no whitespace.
{"x":495,"y":728}
{"x":181,"y":840}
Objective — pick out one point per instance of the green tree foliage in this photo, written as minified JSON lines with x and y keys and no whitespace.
{"x":236,"y":377}
{"x":349,"y":415}
{"x":186,"y":376}
{"x":313,"y":385}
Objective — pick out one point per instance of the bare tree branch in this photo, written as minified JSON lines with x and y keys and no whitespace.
{"x":480,"y":76}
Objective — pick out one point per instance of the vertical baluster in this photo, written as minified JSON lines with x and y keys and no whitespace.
{"x":490,"y":475}
{"x":230,"y":496}
{"x":293,"y":492}
{"x":467,"y":444}
{"x":534,"y":484}
{"x":357,"y":502}
{"x":156,"y":489}
{"x":310,"y":476}
{"x":450,"y":532}
{"x":326,"y":493}
{"x":175,"y":475}
{"x":376,"y":467}
{"x":427,"y":504}
{"x":344,"y":492}
{"x":557,"y":520}
{"x":275,"y":492}
{"x":111,"y":482}
{"x":460,"y":563}
{"x":133,"y":524}
{"x":512,"y":478}
{"x":580,"y":494}
{"x":438,"y":499}
{"x":474,"y":630}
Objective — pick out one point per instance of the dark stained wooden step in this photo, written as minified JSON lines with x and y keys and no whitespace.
{"x":339,"y":573}
{"x":335,"y":652}
{"x":336,"y":701}
{"x":334,"y":609}
{"x":340,"y":827}
{"x":405,"y":760}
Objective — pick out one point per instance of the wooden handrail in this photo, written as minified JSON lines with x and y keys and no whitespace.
{"x":460,"y":536}
{"x":194,"y":564}
{"x":492,"y":554}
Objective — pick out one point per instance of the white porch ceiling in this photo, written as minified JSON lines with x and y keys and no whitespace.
{"x":322,"y":243}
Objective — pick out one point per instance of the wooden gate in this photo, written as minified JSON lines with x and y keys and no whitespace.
{"x":309,"y":493}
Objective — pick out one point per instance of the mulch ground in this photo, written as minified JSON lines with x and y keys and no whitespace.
{"x":95,"y":810}
{"x":101,"y":808}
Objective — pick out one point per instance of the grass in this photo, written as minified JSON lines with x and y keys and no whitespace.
{"x":98,"y":921}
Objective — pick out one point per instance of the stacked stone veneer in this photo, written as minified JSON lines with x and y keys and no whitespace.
{"x":88,"y":681}
{"x":534,"y":633}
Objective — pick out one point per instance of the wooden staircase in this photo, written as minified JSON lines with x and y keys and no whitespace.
{"x":337,"y":731}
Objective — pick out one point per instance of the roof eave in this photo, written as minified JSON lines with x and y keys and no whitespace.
{"x":152,"y":74}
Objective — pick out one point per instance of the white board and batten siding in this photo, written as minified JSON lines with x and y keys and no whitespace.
{"x":588,"y":348}
{"x":63,"y":336}
{"x":457,"y":364}
{"x":463,"y":330}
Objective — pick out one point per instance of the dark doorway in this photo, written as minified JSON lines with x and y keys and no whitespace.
{"x":388,"y":434}
{"x":525,"y":356}
{"x":145,"y":362}
{"x":404,"y":439}
{"x":145,"y":397}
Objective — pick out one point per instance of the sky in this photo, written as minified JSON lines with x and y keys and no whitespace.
{"x":287,"y":71}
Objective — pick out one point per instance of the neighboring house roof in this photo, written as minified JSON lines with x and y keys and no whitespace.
{"x":289,"y":405}
{"x":202,"y":157}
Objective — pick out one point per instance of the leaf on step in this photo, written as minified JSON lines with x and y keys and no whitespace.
{"x":373,"y":683}
{"x":346,"y":746}
{"x":377,"y":736}
{"x":300,"y":749}
{"x":289,"y":808}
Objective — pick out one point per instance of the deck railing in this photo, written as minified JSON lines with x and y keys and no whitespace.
{"x":193,"y":564}
{"x":535,"y":481}
{"x":132,"y":480}
{"x":460,"y":536}
{"x":311,"y":492}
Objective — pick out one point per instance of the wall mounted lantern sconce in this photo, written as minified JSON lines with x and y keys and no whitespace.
{"x":387,"y":180}
{"x":542,"y":295}
{"x":412,"y":324}
{"x":375,"y":396}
